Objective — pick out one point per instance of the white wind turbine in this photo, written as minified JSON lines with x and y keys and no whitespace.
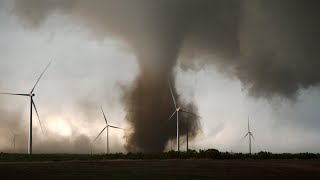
{"x":250,"y":135}
{"x":177,"y":110}
{"x":106,"y":127}
{"x":32,"y":104}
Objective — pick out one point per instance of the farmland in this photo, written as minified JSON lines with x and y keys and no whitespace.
{"x":202,"y":164}
{"x":163,"y":169}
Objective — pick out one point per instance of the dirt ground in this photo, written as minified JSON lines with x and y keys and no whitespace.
{"x":164,"y":169}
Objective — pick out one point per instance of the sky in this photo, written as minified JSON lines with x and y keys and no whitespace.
{"x":90,"y":69}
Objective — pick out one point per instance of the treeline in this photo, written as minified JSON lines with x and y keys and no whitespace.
{"x":191,"y":154}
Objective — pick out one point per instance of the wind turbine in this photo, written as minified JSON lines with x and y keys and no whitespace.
{"x":32,"y":104}
{"x":107,"y":127}
{"x":14,"y":141}
{"x":177,"y":110}
{"x":250,"y":135}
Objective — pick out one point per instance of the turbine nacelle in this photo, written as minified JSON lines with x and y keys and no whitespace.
{"x":31,"y":94}
{"x":178,"y":109}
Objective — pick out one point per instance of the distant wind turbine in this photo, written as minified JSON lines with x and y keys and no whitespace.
{"x":14,"y":141}
{"x":32,"y":104}
{"x":250,"y":135}
{"x":106,"y":127}
{"x":177,"y":110}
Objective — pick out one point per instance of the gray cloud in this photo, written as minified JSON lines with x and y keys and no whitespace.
{"x":271,"y":45}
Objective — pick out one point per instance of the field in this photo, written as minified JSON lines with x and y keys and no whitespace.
{"x":163,"y":169}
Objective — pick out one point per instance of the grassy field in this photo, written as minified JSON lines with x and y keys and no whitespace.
{"x":163,"y":169}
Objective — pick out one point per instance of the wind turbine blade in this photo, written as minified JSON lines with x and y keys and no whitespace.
{"x":190,"y":113}
{"x":104,"y":115}
{"x":244,"y":137}
{"x":100,"y":133}
{"x":16,"y":94}
{"x":40,"y":77}
{"x":252,"y":136}
{"x":116,"y":127}
{"x":35,"y":108}
{"x":172,"y":115}
{"x":174,"y":101}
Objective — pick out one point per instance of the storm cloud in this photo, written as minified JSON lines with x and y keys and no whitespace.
{"x":270,"y":46}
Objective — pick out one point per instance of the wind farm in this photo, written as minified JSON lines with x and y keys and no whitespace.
{"x":159,"y":89}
